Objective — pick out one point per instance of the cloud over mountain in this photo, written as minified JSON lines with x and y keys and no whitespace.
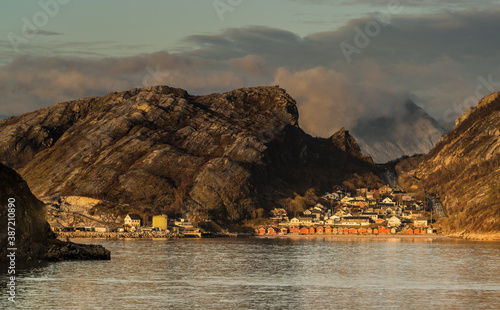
{"x":438,"y":60}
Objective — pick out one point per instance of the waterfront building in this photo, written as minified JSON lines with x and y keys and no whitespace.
{"x":160,"y":221}
{"x":133,"y":220}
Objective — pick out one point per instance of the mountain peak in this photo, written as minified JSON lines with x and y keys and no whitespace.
{"x":227,"y":154}
{"x":408,"y":130}
{"x":343,"y":140}
{"x":487,"y":102}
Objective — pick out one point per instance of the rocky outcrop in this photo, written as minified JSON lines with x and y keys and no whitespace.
{"x":464,"y":170}
{"x":160,"y":149}
{"x":33,"y":237}
{"x":408,"y":131}
{"x":73,"y":251}
{"x":345,"y":142}
{"x":31,"y":231}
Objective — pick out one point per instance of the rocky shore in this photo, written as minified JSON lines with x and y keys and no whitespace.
{"x":73,"y":251}
{"x":140,"y":235}
{"x":116,"y":235}
{"x":475,"y":236}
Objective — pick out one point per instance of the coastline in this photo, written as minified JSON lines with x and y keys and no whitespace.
{"x":164,"y":236}
{"x":475,"y":236}
{"x":366,"y":237}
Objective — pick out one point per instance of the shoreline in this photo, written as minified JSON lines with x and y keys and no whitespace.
{"x":475,"y":236}
{"x":379,"y":236}
{"x":165,"y":236}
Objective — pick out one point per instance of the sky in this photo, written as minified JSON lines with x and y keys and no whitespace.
{"x":341,"y":60}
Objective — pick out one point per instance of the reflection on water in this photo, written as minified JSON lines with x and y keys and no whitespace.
{"x":271,"y":274}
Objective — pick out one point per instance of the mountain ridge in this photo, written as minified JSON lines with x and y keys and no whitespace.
{"x":163,"y":150}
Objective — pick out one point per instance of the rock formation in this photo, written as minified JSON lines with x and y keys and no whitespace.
{"x":163,"y":150}
{"x":33,"y":237}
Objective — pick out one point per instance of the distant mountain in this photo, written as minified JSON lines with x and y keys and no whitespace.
{"x":232,"y":156}
{"x":464,"y":170}
{"x":408,"y":130}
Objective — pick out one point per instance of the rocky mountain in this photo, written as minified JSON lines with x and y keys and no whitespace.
{"x":463,"y":169}
{"x":160,"y":149}
{"x":33,"y":237}
{"x":345,"y":142}
{"x":408,"y":131}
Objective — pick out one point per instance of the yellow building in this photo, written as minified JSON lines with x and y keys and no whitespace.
{"x":160,"y":221}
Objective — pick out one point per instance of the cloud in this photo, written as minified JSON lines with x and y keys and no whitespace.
{"x":43,"y":32}
{"x":327,"y":100}
{"x":29,"y":83}
{"x":436,"y":60}
{"x":250,"y":64}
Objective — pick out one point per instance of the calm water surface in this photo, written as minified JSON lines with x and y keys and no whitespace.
{"x":313,"y":273}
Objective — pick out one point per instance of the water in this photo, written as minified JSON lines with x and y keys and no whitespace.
{"x":312,"y":273}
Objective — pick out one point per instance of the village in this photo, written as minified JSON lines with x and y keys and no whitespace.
{"x":385,"y":210}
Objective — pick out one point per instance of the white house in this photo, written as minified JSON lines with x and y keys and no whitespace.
{"x":394,"y":222}
{"x":133,"y":220}
{"x":387,"y":200}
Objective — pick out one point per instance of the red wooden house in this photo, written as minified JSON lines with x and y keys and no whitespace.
{"x":320,"y":230}
{"x":262,"y":230}
{"x":304,"y":230}
{"x":312,"y":230}
{"x":272,"y":230}
{"x":328,"y":230}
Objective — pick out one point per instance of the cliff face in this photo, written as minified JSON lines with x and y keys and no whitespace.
{"x":410,"y":130}
{"x":160,"y":148}
{"x":464,"y":170}
{"x":33,"y":237}
{"x":31,"y":230}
